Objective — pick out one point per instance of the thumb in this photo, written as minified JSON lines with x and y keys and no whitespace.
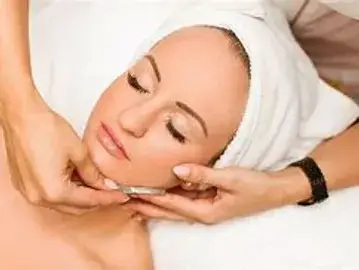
{"x":89,"y":173}
{"x":220,"y":178}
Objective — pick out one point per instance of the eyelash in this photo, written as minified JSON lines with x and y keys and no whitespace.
{"x":174,"y":132}
{"x":133,"y":82}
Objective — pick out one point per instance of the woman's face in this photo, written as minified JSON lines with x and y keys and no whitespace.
{"x":180,"y":103}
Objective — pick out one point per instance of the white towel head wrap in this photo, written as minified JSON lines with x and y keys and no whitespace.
{"x":289,"y":110}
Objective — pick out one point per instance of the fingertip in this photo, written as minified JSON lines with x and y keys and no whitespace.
{"x":120,"y":197}
{"x":182,"y":171}
{"x":87,"y":196}
{"x":123,"y":200}
{"x":110,"y":184}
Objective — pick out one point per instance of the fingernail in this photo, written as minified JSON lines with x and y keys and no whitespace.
{"x":110,"y":184}
{"x":182,"y":171}
{"x":125,"y":198}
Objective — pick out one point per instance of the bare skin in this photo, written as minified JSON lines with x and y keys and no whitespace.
{"x":40,"y":238}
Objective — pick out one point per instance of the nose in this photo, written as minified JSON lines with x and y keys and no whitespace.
{"x":137,"y":119}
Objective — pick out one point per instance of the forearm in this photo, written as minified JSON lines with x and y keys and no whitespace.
{"x":338,"y":159}
{"x":15,"y":70}
{"x":347,"y":8}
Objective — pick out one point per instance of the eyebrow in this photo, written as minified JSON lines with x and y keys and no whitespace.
{"x":154,"y":65}
{"x":191,"y":112}
{"x":179,"y":104}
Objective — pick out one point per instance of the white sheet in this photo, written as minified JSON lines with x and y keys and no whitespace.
{"x":323,"y":237}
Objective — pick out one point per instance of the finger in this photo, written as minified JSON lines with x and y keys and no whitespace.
{"x":195,"y":194}
{"x":84,"y":165}
{"x":189,"y":186}
{"x":88,"y":172}
{"x":221,"y":178}
{"x":154,"y":212}
{"x":71,"y":210}
{"x":195,"y":209}
{"x":209,"y":193}
{"x":190,"y":194}
{"x":82,"y":196}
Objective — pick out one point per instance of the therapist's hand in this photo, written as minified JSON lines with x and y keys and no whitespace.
{"x":43,"y":152}
{"x":239,"y":192}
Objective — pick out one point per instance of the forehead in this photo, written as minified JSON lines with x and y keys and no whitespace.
{"x":199,"y":67}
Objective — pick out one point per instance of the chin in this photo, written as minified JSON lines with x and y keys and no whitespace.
{"x":111,"y":167}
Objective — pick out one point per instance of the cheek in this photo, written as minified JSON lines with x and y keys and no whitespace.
{"x":156,"y":160}
{"x":163,"y":149}
{"x":113,"y":100}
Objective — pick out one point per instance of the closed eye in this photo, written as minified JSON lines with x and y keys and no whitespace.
{"x":175,"y":133}
{"x":133,"y":82}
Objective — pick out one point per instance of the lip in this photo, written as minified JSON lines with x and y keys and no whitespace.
{"x":110,"y":142}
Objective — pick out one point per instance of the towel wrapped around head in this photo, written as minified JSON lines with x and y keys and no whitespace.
{"x":289,"y":110}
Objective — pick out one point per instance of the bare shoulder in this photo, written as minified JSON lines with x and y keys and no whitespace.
{"x":112,"y":238}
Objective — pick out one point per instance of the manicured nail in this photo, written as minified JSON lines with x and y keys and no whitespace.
{"x":110,"y":184}
{"x":182,"y":171}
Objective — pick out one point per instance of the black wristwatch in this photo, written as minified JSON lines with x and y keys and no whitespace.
{"x":316,"y":180}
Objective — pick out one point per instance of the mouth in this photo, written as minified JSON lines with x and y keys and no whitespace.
{"x":109,"y":141}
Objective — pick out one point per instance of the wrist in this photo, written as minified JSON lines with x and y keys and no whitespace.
{"x":17,"y":90}
{"x":293,"y":185}
{"x":15,"y":106}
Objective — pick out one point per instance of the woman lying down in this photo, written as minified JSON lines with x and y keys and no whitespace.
{"x":213,"y":86}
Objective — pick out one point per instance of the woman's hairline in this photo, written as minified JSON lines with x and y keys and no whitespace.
{"x":236,"y":45}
